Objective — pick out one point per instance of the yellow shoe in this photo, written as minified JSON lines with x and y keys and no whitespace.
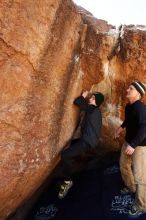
{"x":64,"y":188}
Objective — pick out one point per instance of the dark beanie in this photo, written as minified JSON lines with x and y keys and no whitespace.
{"x":140,"y":87}
{"x":99,"y":98}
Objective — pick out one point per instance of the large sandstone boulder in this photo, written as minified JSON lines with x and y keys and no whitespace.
{"x":40,"y":49}
{"x":50,"y":51}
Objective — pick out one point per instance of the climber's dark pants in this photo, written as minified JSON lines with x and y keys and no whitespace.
{"x":77,"y":148}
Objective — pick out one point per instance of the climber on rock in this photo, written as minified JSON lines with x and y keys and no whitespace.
{"x":90,"y":133}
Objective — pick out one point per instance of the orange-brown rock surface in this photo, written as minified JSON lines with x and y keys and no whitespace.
{"x":50,"y":51}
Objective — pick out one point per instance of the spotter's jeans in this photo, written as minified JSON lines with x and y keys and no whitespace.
{"x":133,"y":171}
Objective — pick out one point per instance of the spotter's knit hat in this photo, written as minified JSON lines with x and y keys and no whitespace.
{"x":140,"y":87}
{"x":99,"y":98}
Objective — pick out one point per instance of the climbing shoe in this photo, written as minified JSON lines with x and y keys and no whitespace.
{"x":64,"y":188}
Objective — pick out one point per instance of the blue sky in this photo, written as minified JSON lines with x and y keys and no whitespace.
{"x":117,"y":12}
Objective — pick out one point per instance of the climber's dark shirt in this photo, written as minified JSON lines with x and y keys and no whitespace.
{"x":92,"y":122}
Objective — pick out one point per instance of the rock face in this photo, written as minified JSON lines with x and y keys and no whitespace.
{"x":49,"y":52}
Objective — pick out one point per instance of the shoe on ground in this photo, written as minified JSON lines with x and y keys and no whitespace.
{"x":134,"y":212}
{"x":125,"y":191}
{"x":64,"y":188}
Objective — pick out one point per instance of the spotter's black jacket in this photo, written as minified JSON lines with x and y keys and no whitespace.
{"x":135,"y":124}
